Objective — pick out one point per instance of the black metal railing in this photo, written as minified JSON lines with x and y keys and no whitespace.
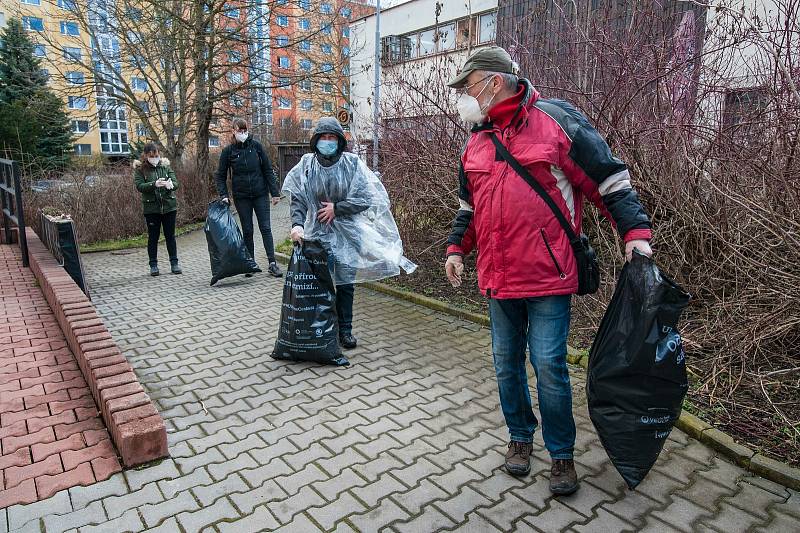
{"x":11,"y":203}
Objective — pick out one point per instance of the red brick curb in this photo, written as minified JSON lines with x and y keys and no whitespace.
{"x":137,"y":431}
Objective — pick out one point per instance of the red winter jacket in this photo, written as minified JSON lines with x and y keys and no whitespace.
{"x":523,"y":251}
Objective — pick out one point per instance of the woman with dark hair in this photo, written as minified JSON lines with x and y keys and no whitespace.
{"x":157,"y":182}
{"x":252,"y":180}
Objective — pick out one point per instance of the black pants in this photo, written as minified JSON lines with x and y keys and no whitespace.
{"x":344,"y":307}
{"x":155,"y":222}
{"x":260,"y":204}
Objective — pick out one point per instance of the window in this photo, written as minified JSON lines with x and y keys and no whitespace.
{"x":327,"y":67}
{"x":326,"y":48}
{"x":487,"y":25}
{"x":77,"y":102}
{"x":305,"y":64}
{"x":67,"y":4}
{"x":326,"y":29}
{"x":282,"y":41}
{"x":70,"y":28}
{"x":235,"y":78}
{"x":305,"y":24}
{"x":283,"y":82}
{"x":230,"y":12}
{"x":286,"y":122}
{"x":283,"y":21}
{"x":346,"y":12}
{"x":743,"y":107}
{"x":284,"y":62}
{"x":325,"y":9}
{"x":327,"y":107}
{"x":213,"y":141}
{"x":144,"y":107}
{"x":305,"y":105}
{"x":83,"y":149}
{"x":345,"y":89}
{"x":305,"y":46}
{"x":39,"y":50}
{"x":346,"y":70}
{"x":113,"y":142}
{"x":305,"y":123}
{"x":427,"y":42}
{"x":236,"y":100}
{"x":45,"y":73}
{"x":345,"y":51}
{"x":134,"y":14}
{"x":446,"y":37}
{"x":32,"y":2}
{"x":305,"y":85}
{"x":327,"y":88}
{"x":75,"y":78}
{"x":138,"y":84}
{"x":234,"y":56}
{"x":346,"y":33}
{"x":80,"y":126}
{"x":282,"y":2}
{"x":141,"y":131}
{"x":305,"y":4}
{"x":284,"y":103}
{"x":33,"y":23}
{"x":72,"y":54}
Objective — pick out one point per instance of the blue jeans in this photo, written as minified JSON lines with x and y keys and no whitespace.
{"x":260,"y":204}
{"x":542,"y":325}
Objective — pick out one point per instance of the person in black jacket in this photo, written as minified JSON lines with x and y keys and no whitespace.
{"x":252,"y":180}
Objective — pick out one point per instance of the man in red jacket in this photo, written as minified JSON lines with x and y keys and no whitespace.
{"x":526,"y":266}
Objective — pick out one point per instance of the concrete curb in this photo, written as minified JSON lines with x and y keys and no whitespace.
{"x":688,"y":423}
{"x":135,"y":426}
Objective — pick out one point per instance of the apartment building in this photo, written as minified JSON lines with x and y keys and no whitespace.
{"x":290,"y":68}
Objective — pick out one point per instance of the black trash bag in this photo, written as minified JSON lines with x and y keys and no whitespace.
{"x":637,"y":370}
{"x":309,"y":328}
{"x":229,"y":256}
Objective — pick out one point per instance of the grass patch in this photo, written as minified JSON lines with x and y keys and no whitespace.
{"x":137,"y":241}
{"x":284,"y":247}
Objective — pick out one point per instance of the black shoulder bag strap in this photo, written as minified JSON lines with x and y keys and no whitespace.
{"x":536,"y":186}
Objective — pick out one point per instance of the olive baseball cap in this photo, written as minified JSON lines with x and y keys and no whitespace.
{"x":491,"y":58}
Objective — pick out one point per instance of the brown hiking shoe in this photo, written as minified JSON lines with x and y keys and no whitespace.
{"x":518,"y":458}
{"x":563,"y":479}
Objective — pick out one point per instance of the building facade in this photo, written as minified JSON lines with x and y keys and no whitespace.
{"x":419,"y":38}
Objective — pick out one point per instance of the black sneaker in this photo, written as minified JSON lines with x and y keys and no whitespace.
{"x":175,"y":267}
{"x":154,"y":270}
{"x":347,"y":341}
{"x":275,"y":270}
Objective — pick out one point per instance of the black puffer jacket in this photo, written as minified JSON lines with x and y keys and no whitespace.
{"x":252,"y":171}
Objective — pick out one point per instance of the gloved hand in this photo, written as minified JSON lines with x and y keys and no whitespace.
{"x":640,"y":244}
{"x":226,"y":200}
{"x":297,"y":234}
{"x":454,"y":267}
{"x":161,"y":183}
{"x":169,"y":184}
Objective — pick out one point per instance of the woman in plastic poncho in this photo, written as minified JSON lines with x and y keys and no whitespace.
{"x":337,"y":200}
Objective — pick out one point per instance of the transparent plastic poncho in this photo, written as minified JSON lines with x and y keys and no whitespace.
{"x":364,"y":246}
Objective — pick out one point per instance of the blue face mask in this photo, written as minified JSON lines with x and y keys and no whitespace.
{"x":327,"y":148}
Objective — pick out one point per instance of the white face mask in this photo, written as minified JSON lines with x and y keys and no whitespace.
{"x":153,"y":161}
{"x":241,"y":137}
{"x":470,"y":110}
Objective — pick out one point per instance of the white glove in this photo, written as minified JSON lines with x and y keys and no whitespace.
{"x":169,"y":185}
{"x":454,"y":267}
{"x":297,"y":234}
{"x":226,"y":200}
{"x":640,"y":244}
{"x":161,"y":183}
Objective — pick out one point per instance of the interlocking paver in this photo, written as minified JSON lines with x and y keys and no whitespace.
{"x":91,"y":514}
{"x":128,"y":522}
{"x":356,"y":448}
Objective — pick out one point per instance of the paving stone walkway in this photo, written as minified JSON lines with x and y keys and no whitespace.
{"x":410,"y":438}
{"x":51,"y":435}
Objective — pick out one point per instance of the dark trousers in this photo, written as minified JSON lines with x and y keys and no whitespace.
{"x":260,"y":204}
{"x":344,"y":307}
{"x":155,"y":222}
